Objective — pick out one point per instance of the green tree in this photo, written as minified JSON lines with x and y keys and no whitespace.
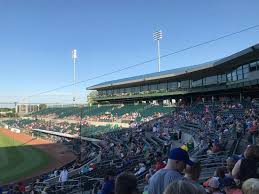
{"x":91,"y":96}
{"x":42,"y":106}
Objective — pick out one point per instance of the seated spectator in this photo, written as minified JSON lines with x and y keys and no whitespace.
{"x":126,"y":184}
{"x":159,"y":162}
{"x":182,"y":187}
{"x":84,"y":169}
{"x":219,"y":174}
{"x":192,"y":174}
{"x":141,"y":169}
{"x":246,"y":168}
{"x":190,"y":145}
{"x":21,"y":187}
{"x":63,"y":175}
{"x":214,"y":186}
{"x":108,"y":186}
{"x":230,"y":165}
{"x":216,"y":148}
{"x":230,"y":186}
{"x":251,"y":186}
{"x":184,"y":147}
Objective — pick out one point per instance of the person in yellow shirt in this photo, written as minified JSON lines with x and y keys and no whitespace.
{"x":184,"y":147}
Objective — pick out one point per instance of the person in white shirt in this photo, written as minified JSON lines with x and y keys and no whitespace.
{"x":141,"y":169}
{"x":63,"y":175}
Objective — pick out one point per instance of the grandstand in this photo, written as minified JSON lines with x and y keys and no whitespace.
{"x":207,"y":109}
{"x":233,"y":76}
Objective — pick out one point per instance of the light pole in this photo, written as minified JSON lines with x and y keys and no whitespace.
{"x":74,"y":57}
{"x":157,"y":37}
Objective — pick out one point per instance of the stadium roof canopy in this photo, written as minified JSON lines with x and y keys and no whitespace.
{"x":211,"y":67}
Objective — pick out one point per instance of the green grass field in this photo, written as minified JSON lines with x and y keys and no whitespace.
{"x":18,"y":160}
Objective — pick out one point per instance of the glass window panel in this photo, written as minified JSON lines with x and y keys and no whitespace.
{"x":172,"y":85}
{"x":145,"y":88}
{"x":223,"y":78}
{"x":245,"y":66}
{"x":185,"y":84}
{"x":153,"y":87}
{"x":196,"y":83}
{"x":239,"y":71}
{"x":132,"y":89}
{"x":211,"y":80}
{"x":162,"y":86}
{"x":234,"y":73}
{"x":252,"y":66}
{"x":229,"y":77}
{"x":246,"y":70}
{"x":239,"y":68}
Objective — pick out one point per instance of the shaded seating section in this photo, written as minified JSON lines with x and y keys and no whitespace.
{"x":106,"y":113}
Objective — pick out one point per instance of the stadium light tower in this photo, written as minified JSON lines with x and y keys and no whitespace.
{"x":74,"y":57}
{"x":157,"y":37}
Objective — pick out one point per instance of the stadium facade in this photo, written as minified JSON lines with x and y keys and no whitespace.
{"x":235,"y":76}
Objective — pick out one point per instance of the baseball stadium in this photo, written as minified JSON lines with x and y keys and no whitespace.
{"x":129,"y":97}
{"x":200,"y":118}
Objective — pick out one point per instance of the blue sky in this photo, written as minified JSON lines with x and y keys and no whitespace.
{"x":36,"y":39}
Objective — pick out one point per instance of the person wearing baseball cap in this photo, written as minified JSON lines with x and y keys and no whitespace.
{"x":177,"y":160}
{"x":214,"y":186}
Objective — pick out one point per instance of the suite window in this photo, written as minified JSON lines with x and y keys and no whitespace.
{"x":162,"y":86}
{"x":132,"y":90}
{"x":211,"y":80}
{"x":222,"y":78}
{"x":240,"y":73}
{"x":229,"y":77}
{"x":153,"y":87}
{"x":116,"y":91}
{"x":185,"y":84}
{"x":145,"y":88}
{"x":246,"y":66}
{"x":197,"y":83}
{"x":234,"y":75}
{"x":172,"y":85}
{"x":252,"y":66}
{"x":137,"y":89}
{"x":127,"y":90}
